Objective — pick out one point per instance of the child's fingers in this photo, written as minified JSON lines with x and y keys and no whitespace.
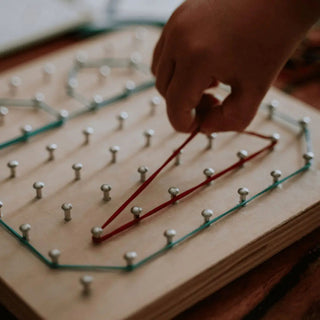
{"x":165,"y":70}
{"x":183,"y":95}
{"x":164,"y":75}
{"x":234,"y":114}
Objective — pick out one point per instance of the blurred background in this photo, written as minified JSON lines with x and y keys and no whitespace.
{"x":23,"y":22}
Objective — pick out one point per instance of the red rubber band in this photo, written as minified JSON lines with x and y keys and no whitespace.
{"x":183,"y":194}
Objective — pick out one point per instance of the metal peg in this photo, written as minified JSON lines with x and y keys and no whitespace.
{"x":308,"y":157}
{"x":114,"y":150}
{"x":3,"y":112}
{"x":206,"y":214}
{"x":121,"y":119}
{"x":54,"y":254}
{"x":77,"y":169}
{"x":174,"y":191}
{"x":243,"y":192}
{"x":170,"y":234}
{"x":66,"y":207}
{"x":25,"y":230}
{"x":136,"y":211}
{"x":273,"y":106}
{"x":148,"y":135}
{"x":211,"y":137}
{"x":208,"y":172}
{"x":143,"y":173}
{"x":51,"y":148}
{"x":276,"y":175}
{"x":87,"y":132}
{"x":12,"y":165}
{"x":130,"y":257}
{"x":38,"y":186}
{"x":106,"y":188}
{"x":86,"y":282}
{"x":154,"y":103}
{"x":96,"y":232}
{"x":177,"y":160}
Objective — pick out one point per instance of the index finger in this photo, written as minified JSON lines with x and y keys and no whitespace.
{"x":183,"y":95}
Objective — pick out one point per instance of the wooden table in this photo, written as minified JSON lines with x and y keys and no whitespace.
{"x":287,"y":286}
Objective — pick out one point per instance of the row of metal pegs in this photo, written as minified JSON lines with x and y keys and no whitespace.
{"x":142,"y":170}
{"x":80,"y":61}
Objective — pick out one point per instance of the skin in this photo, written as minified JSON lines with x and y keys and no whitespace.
{"x":242,"y":43}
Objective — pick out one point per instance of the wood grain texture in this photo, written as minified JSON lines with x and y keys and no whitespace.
{"x":184,"y":275}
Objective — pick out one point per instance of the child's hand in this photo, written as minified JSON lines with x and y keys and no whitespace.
{"x":242,"y":43}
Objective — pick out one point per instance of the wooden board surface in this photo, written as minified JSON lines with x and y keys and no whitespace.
{"x":188,"y":272}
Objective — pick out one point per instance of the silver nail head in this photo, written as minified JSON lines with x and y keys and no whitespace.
{"x":38,"y":99}
{"x":48,"y":71}
{"x":308,"y":157}
{"x":170,"y":234}
{"x":81,"y":58}
{"x":96,"y":101}
{"x":87,"y":132}
{"x":106,"y":188}
{"x":211,"y":137}
{"x":174,"y":191}
{"x":77,"y":169}
{"x":136,"y":211}
{"x":3,"y":112}
{"x":140,"y":35}
{"x":206,"y":214}
{"x":66,"y":207}
{"x":114,"y":150}
{"x":275,"y":137}
{"x":276,"y":175}
{"x":63,"y":115}
{"x":143,"y":173}
{"x":273,"y":106}
{"x":129,"y":87}
{"x":130,"y":257}
{"x":86,"y":282}
{"x":14,"y":84}
{"x":25,"y":230}
{"x":96,"y":232}
{"x":122,"y":117}
{"x":242,"y":154}
{"x":154,"y":103}
{"x":26,"y":130}
{"x":208,"y":172}
{"x":148,"y":135}
{"x":304,"y":123}
{"x":54,"y":254}
{"x":135,"y":59}
{"x":72,"y":86}
{"x":243,"y":192}
{"x":177,"y":160}
{"x":51,"y":148}
{"x":104,"y":72}
{"x":38,"y":186}
{"x":1,"y":206}
{"x":12,"y":165}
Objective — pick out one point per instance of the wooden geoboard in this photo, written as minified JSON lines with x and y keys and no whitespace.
{"x":182,"y":275}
